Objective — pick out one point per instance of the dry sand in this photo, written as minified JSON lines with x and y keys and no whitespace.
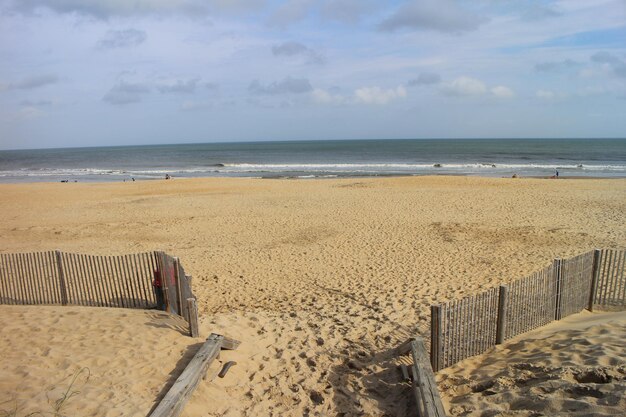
{"x":319,"y":279}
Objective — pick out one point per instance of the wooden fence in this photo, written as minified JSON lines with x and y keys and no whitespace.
{"x":470,"y":326}
{"x":145,"y":280}
{"x":610,"y":288}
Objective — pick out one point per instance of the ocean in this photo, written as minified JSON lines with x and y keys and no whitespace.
{"x":314,"y":159}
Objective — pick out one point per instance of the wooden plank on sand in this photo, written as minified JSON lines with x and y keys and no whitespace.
{"x":424,"y":385}
{"x":176,"y":398}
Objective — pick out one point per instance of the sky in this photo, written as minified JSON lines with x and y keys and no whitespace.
{"x":126,"y":72}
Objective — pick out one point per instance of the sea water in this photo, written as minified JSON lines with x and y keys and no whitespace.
{"x":309,"y":159}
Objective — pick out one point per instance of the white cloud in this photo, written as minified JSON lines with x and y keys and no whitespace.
{"x":545,"y":94}
{"x":377,"y":95}
{"x":325,"y":97}
{"x":467,"y":86}
{"x":363,"y":95}
{"x":464,"y":86}
{"x":501,"y":91}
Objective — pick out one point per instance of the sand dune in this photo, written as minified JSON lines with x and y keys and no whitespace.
{"x":575,"y":367}
{"x":319,"y":279}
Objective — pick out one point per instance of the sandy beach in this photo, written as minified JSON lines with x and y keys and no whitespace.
{"x":319,"y":280}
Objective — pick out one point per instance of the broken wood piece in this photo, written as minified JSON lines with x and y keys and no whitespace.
{"x":405,"y":373}
{"x":230,"y":344}
{"x":226,"y":367}
{"x":404,"y":348}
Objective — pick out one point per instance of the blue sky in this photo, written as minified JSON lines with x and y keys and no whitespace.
{"x":116,"y":72}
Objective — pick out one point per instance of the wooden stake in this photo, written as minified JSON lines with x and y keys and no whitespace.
{"x":179,"y":293}
{"x":435,"y":337}
{"x":192,"y":310}
{"x":559,"y":288}
{"x":501,"y":319}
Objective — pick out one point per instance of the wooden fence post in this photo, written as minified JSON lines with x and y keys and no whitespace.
{"x":62,"y":286}
{"x":595,"y":271}
{"x":501,"y":319}
{"x":166,"y":283}
{"x":435,"y":337}
{"x":179,"y":293}
{"x":559,"y":287}
{"x":192,"y":310}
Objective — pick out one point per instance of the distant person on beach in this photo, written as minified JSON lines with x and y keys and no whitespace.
{"x":157,"y":285}
{"x":556,"y":173}
{"x":167,"y":176}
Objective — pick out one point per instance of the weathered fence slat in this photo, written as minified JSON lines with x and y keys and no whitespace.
{"x":15,"y":272}
{"x":141,"y":285}
{"x":97,"y":279}
{"x":102,"y":280}
{"x":613,"y":273}
{"x":82,"y":282}
{"x":92,"y":284}
{"x":122,"y":283}
{"x":15,"y":279}
{"x":27,"y":279}
{"x":141,"y":289}
{"x":41,"y":277}
{"x":128,"y":280}
{"x":29,"y":289}
{"x":48,"y":258}
{"x":19,"y":277}
{"x":4,"y":285}
{"x":117,"y":285}
{"x":621,"y":283}
{"x":607,"y":254}
{"x":68,"y":273}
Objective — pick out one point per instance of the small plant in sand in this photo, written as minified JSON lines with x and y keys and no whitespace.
{"x":58,"y":397}
{"x":78,"y":380}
